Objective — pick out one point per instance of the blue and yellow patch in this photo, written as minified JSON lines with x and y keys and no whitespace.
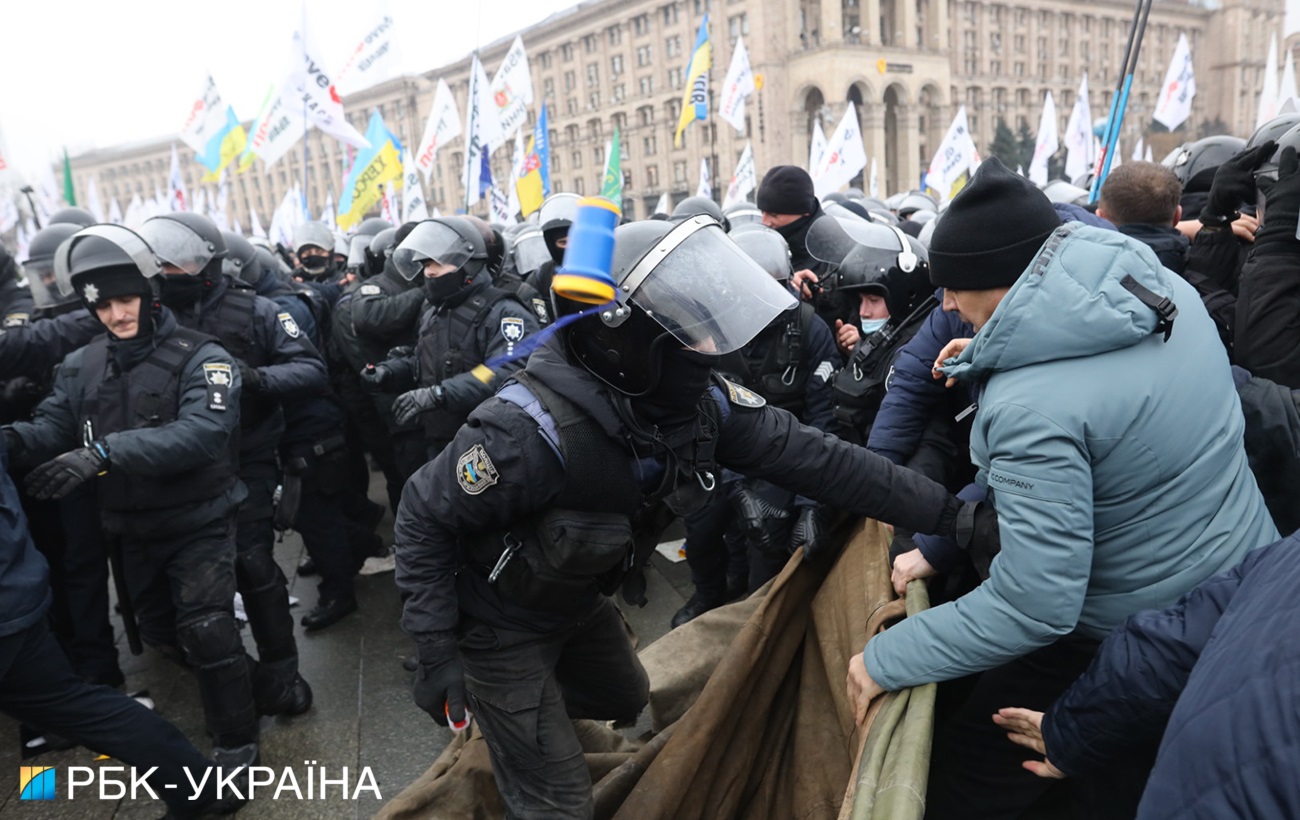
{"x":475,"y":471}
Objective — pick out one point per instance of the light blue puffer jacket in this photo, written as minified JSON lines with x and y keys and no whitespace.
{"x":1114,"y":458}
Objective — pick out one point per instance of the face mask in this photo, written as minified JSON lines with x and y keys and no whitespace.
{"x":439,"y":289}
{"x":870,"y":326}
{"x":180,"y":290}
{"x":683,"y":378}
{"x":315,"y":264}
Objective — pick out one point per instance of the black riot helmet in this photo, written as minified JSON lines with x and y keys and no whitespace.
{"x":766,"y":247}
{"x":742,"y":213}
{"x":1266,"y":173}
{"x":72,"y":216}
{"x":241,"y":260}
{"x":1274,"y":129}
{"x":875,"y":258}
{"x":1194,"y":163}
{"x":696,"y":205}
{"x":493,"y":242}
{"x":188,"y":241}
{"x":104,"y":261}
{"x":371,"y":226}
{"x":359,"y":259}
{"x":529,"y":250}
{"x":555,"y":216}
{"x":447,"y":240}
{"x":682,"y":285}
{"x":379,"y":250}
{"x":39,"y":266}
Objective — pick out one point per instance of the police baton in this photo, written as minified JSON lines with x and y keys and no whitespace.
{"x":124,"y":604}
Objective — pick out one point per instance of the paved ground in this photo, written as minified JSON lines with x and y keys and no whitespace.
{"x":363,"y":715}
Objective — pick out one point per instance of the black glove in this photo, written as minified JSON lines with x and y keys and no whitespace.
{"x":250,"y":378}
{"x":1281,"y":202}
{"x":60,"y":476}
{"x":439,"y":687}
{"x":21,"y":395}
{"x":810,"y":532}
{"x":750,"y":517}
{"x":1234,"y":184}
{"x":976,"y":532}
{"x":376,"y":377}
{"x":414,"y":402}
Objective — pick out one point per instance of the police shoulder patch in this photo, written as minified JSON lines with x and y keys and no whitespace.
{"x":742,"y":396}
{"x":512,"y":329}
{"x":475,"y":471}
{"x":369,"y":290}
{"x":543,"y":313}
{"x":289,"y":325}
{"x":17,"y":320}
{"x":219,"y":377}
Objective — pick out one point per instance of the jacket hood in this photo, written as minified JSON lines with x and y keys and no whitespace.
{"x":1068,"y":304}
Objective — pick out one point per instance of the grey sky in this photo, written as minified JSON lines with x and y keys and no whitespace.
{"x":88,"y":73}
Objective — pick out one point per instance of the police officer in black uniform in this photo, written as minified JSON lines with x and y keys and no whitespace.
{"x":740,"y":540}
{"x":149,"y":412}
{"x":556,"y":491}
{"x":555,"y":218}
{"x":505,"y":279}
{"x":15,"y":301}
{"x":468,"y":323}
{"x":276,"y":363}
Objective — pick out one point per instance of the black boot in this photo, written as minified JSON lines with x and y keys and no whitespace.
{"x":277,"y":696}
{"x":329,"y":612}
{"x":695,"y":607}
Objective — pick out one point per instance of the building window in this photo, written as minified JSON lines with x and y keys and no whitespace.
{"x":647,"y":86}
{"x":673,"y":46}
{"x":670,"y":14}
{"x":649,"y":146}
{"x":646,"y":115}
{"x":578,"y":187}
{"x":679,"y":172}
{"x":701,"y":7}
{"x":570,"y":81}
{"x":593,"y":100}
{"x":555,"y":162}
{"x":616,"y":65}
{"x":641,"y":24}
{"x":674,"y":111}
{"x":1020,"y":69}
{"x":737,"y":25}
{"x":652,"y":176}
{"x":675,"y":78}
{"x":643,"y":56}
{"x":995,"y":42}
{"x":594,"y":128}
{"x":546,"y":59}
{"x":618,"y":92}
{"x":589,"y":44}
{"x":576,"y":159}
{"x":620,"y":121}
{"x":615,"y":35}
{"x":593,"y":74}
{"x":571,"y":107}
{"x":598,"y":156}
{"x":548,"y":88}
{"x":566,"y":52}
{"x":571,"y":133}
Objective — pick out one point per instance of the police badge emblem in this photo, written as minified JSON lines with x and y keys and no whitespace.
{"x":543,"y":314}
{"x":475,"y":471}
{"x":219,"y":378}
{"x":289,"y":325}
{"x":512,"y":329}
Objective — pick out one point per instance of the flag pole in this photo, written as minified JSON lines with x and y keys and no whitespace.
{"x":1119,"y":103}
{"x":711,"y":125}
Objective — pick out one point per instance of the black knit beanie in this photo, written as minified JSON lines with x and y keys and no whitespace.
{"x":991,"y":231}
{"x":786,"y":189}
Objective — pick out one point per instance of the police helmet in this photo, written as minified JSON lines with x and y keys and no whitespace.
{"x":188,"y":241}
{"x":449,"y":240}
{"x":39,"y":266}
{"x":241,"y":260}
{"x":558,"y":211}
{"x":742,"y":213}
{"x":1274,"y":129}
{"x":529,"y":250}
{"x":371,"y":226}
{"x":873,"y":258}
{"x":1194,"y":163}
{"x":103,"y":261}
{"x":767,"y":248}
{"x":493,"y":242}
{"x":916,"y":201}
{"x":695,"y":205}
{"x":379,"y":250}
{"x":834,"y":196}
{"x":72,"y":216}
{"x":683,"y":284}
{"x":312,"y":234}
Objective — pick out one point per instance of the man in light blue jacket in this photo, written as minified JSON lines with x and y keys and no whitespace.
{"x":1109,"y":439}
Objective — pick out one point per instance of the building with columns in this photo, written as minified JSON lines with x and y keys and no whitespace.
{"x":907,"y":65}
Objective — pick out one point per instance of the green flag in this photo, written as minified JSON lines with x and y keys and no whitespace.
{"x":69,"y":194}
{"x":612,"y":187}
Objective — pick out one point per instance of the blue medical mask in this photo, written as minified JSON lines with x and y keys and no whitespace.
{"x":870,"y":326}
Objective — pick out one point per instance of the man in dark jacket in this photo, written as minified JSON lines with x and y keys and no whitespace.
{"x":1211,"y":680}
{"x":1141,"y":200}
{"x":616,"y":424}
{"x":149,"y":412}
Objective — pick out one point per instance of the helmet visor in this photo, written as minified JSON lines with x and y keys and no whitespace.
{"x":744,"y":216}
{"x":704,"y":289}
{"x":316,"y":234}
{"x":832,"y":240}
{"x":357,"y":251}
{"x":177,"y":245}
{"x":40,"y":278}
{"x":767,"y":248}
{"x":530,"y":252}
{"x":431,"y":241}
{"x":126,"y":240}
{"x":559,"y":208}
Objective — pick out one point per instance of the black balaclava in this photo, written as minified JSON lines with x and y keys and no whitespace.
{"x":443,"y":290}
{"x":552,"y":237}
{"x":683,"y":377}
{"x":180,"y":290}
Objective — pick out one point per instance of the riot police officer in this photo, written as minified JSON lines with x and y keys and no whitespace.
{"x":555,"y":217}
{"x":510,"y":282}
{"x":313,"y":245}
{"x":149,"y":413}
{"x":556,"y":490}
{"x":469,"y":322}
{"x":276,"y":363}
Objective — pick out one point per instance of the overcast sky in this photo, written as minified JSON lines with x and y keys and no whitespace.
{"x":88,"y":73}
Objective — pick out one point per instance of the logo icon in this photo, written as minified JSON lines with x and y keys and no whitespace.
{"x":36,"y":782}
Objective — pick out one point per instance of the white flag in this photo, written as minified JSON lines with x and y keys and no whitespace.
{"x":308,"y":89}
{"x":135,"y":213}
{"x":1147,"y":157}
{"x":327,"y":213}
{"x":501,"y":207}
{"x":374,"y":59}
{"x":874,"y":183}
{"x":287,"y":216}
{"x":49,"y":193}
{"x":512,"y":90}
{"x":1137,"y":150}
{"x":276,"y":129}
{"x":705,"y":187}
{"x":1268,"y":95}
{"x":957,"y":155}
{"x":1047,"y":144}
{"x":744,"y":179}
{"x":236,"y":227}
{"x":390,"y":209}
{"x":22,"y":242}
{"x":1079,"y":158}
{"x":738,"y":85}
{"x":443,"y":125}
{"x":414,"y":208}
{"x":845,"y":155}
{"x":516,"y":171}
{"x":817,"y":149}
{"x":223,"y":200}
{"x":9,"y":216}
{"x":177,"y":199}
{"x":205,"y":119}
{"x":663,"y":206}
{"x":484,"y":129}
{"x":1175,"y":102}
{"x":1287,"y":90}
{"x":93,"y":204}
{"x":254,"y":224}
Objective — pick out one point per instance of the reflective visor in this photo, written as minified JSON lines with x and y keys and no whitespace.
{"x":40,"y":278}
{"x":177,"y":245}
{"x":706,"y":291}
{"x":431,"y":240}
{"x":766,"y":247}
{"x":530,"y":251}
{"x":357,"y":251}
{"x":126,"y":240}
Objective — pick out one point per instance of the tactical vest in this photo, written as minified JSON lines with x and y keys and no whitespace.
{"x":449,"y":347}
{"x":527,"y":295}
{"x":148,"y":395}
{"x":601,"y":529}
{"x":232,"y":323}
{"x":860,"y":387}
{"x":779,"y":376}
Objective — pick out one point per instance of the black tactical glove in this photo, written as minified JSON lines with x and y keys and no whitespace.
{"x":1281,"y":204}
{"x":751,"y":515}
{"x":976,"y":531}
{"x":412,"y":403}
{"x":811,"y":531}
{"x":60,"y":476}
{"x":376,"y":377}
{"x":1234,"y":185}
{"x":439,"y":687}
{"x":249,"y":377}
{"x":21,"y":395}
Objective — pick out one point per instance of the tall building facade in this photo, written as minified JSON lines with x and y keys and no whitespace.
{"x":907,"y":65}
